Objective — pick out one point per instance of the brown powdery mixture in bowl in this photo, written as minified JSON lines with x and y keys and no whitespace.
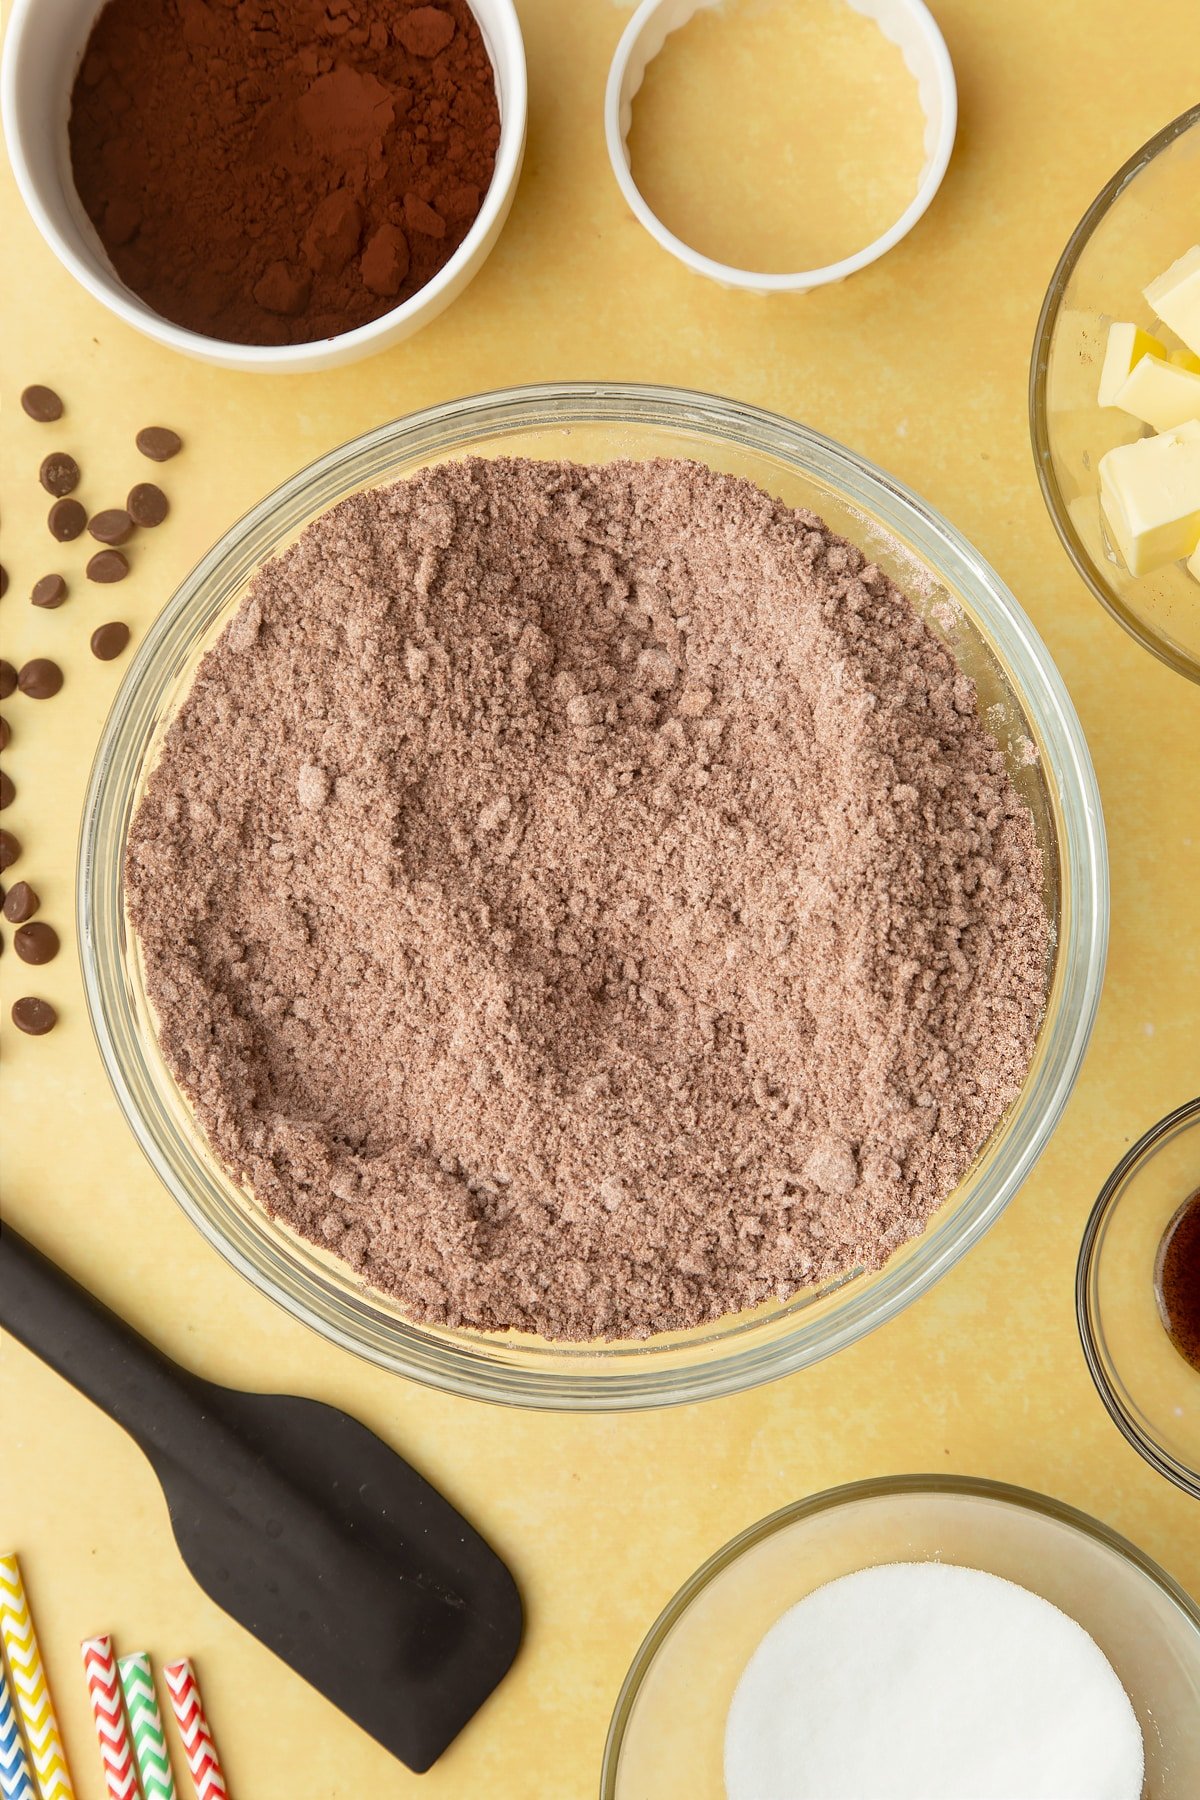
{"x":279,"y":171}
{"x":586,"y":900}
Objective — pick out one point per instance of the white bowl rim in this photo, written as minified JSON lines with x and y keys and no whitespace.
{"x":105,"y":286}
{"x":794,"y":281}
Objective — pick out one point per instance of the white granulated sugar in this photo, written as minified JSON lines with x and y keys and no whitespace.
{"x":925,"y":1681}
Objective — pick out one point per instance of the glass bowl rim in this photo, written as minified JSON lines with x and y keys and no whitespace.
{"x":1039,"y":365}
{"x":1087,"y":1308}
{"x":723,"y":1367}
{"x":847,"y":1493}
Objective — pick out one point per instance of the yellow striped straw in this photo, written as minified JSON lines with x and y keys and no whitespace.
{"x":29,"y":1686}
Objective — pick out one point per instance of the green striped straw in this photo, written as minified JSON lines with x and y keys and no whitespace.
{"x":145,"y":1722}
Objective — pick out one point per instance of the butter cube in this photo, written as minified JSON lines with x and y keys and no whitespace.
{"x":1127,"y":344}
{"x":1175,"y":297}
{"x":1161,"y":393}
{"x":1150,"y":495}
{"x":1193,"y":563}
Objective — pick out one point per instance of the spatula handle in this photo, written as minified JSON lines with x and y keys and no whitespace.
{"x":92,"y":1348}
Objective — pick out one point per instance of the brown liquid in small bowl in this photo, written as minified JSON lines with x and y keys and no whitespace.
{"x":1177,"y":1280}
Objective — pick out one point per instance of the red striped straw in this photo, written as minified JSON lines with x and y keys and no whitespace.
{"x":201,"y":1752}
{"x":108,"y":1710}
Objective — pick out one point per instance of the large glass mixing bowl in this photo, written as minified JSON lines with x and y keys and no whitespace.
{"x":1025,"y":704}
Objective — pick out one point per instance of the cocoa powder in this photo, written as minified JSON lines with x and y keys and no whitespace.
{"x":276,"y":171}
{"x":586,"y":900}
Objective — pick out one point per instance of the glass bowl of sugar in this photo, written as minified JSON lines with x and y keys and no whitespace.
{"x":669,"y":1733}
{"x":1141,"y":222}
{"x":1018,"y":692}
{"x":1138,"y":1296}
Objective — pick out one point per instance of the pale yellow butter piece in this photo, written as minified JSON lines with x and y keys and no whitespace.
{"x":1126,"y":346}
{"x":1175,"y":297}
{"x":1160,"y":393}
{"x":1150,"y":494}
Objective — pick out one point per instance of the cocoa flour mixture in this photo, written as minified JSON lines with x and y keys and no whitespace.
{"x":585,"y":899}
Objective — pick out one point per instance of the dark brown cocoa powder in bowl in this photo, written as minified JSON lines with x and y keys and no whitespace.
{"x":586,"y":900}
{"x":279,"y":171}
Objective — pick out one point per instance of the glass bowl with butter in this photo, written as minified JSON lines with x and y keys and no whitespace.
{"x":1134,"y":543}
{"x":1018,"y":690}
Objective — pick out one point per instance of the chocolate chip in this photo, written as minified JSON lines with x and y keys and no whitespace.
{"x":40,"y":679}
{"x":147,"y":505}
{"x":10,"y":849}
{"x":112,"y":526}
{"x":36,"y":943}
{"x":8,"y":679}
{"x":36,"y":1017}
{"x":8,"y":792}
{"x":59,"y":473}
{"x":3,"y":581}
{"x":20,"y":903}
{"x":5,"y":734}
{"x":109,"y":640}
{"x":159,"y":443}
{"x":107,"y":566}
{"x":66,"y":520}
{"x":51,"y":590}
{"x":42,"y":404}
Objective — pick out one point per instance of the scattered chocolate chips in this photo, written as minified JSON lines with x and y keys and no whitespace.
{"x":20,"y":903}
{"x":112,"y":526}
{"x":40,"y":678}
{"x":49,"y":591}
{"x":59,"y":473}
{"x":5,"y":734}
{"x":66,"y":520}
{"x":3,"y":581}
{"x":42,"y":404}
{"x":107,"y":566}
{"x":8,"y":792}
{"x":109,"y":640}
{"x":36,"y":1017}
{"x":36,"y":943}
{"x":147,"y":505}
{"x":159,"y":443}
{"x":8,"y":679}
{"x":10,"y":849}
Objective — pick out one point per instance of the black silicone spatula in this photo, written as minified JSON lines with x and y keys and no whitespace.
{"x":297,"y":1520}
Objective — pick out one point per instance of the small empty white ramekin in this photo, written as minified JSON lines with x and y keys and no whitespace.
{"x":905,"y":23}
{"x":42,"y":50}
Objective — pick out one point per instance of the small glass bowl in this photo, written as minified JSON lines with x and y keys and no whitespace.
{"x":667,"y":1733}
{"x":1151,"y":1391}
{"x":1141,"y":221}
{"x":1020,"y":692}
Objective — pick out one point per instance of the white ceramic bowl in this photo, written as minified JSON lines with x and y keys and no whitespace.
{"x":42,"y":50}
{"x":908,"y":24}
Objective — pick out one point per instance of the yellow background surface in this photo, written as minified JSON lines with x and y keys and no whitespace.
{"x":920,"y":362}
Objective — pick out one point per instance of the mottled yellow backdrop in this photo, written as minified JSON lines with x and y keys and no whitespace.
{"x":920,"y":362}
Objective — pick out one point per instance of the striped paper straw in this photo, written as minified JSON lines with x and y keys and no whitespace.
{"x":29,"y":1686}
{"x":108,"y":1710}
{"x":198,"y":1745}
{"x":145,"y":1722}
{"x":16,"y":1783}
